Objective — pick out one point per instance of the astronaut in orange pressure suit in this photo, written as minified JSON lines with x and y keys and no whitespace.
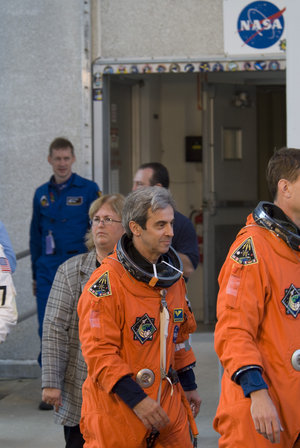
{"x":257,"y":336}
{"x":134,"y":326}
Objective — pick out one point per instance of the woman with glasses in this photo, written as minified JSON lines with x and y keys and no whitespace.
{"x":63,"y":367}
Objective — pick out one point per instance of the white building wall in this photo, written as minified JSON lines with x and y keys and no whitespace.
{"x":44,"y":94}
{"x":41,"y":98}
{"x":156,"y":28}
{"x":293,"y":74}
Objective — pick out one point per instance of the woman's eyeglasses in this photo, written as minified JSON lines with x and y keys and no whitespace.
{"x":107,"y":221}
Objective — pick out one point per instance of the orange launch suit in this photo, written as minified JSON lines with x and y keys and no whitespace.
{"x":258,"y":324}
{"x":120,"y":335}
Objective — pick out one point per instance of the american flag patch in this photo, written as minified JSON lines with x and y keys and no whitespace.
{"x":4,"y":265}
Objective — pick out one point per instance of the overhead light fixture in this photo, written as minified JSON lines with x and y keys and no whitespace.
{"x":241,"y":100}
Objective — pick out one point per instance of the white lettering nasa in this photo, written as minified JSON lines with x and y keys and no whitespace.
{"x":260,"y":25}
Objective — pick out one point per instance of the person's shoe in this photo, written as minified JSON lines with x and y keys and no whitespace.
{"x":43,"y":406}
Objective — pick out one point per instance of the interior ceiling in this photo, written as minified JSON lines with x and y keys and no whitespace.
{"x":245,"y":77}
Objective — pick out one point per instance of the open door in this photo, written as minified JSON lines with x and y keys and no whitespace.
{"x":120,"y":135}
{"x":230,"y":176}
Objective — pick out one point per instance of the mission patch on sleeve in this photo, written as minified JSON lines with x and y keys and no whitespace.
{"x":101,"y":287}
{"x":245,"y":253}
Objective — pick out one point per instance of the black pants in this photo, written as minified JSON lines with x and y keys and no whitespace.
{"x":73,"y":437}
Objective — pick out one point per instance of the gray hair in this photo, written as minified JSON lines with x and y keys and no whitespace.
{"x":138,"y":202}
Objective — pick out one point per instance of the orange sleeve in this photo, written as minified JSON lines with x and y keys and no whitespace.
{"x":100,"y":321}
{"x":184,"y":355}
{"x":240,"y":308}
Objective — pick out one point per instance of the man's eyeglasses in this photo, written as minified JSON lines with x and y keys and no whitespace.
{"x":105,"y":221}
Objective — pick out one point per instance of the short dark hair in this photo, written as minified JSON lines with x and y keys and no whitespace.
{"x":60,"y":143}
{"x":160,"y":173}
{"x":284,"y":164}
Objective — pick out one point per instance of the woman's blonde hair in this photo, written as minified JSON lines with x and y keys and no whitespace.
{"x":116,"y":202}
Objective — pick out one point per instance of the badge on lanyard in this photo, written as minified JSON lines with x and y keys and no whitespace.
{"x":50,"y":244}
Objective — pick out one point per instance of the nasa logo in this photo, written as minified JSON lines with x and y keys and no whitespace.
{"x":260,"y":24}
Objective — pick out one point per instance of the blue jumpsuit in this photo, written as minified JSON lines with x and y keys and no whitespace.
{"x":185,"y":238}
{"x":59,"y":223}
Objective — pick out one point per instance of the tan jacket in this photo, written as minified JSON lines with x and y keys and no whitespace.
{"x":63,"y":366}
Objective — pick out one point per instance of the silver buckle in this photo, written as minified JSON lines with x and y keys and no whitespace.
{"x":145,"y":378}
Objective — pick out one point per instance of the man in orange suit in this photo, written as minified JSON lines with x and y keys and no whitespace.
{"x":257,"y":336}
{"x":134,"y":326}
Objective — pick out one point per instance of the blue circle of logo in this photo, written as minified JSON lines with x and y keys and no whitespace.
{"x":260,"y":24}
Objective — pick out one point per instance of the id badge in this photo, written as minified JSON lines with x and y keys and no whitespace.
{"x":50,"y":244}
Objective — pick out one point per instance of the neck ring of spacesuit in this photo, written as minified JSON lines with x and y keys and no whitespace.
{"x":168,"y":269}
{"x":271,"y":217}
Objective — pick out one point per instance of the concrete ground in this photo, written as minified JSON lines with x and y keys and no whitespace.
{"x":23,"y":425}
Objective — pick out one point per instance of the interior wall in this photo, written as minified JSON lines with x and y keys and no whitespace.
{"x":150,"y":150}
{"x":180,"y":117}
{"x":172,"y":112}
{"x":120,"y":138}
{"x":170,"y":109}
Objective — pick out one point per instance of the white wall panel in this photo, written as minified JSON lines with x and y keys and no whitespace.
{"x":41,"y":98}
{"x":156,"y":28}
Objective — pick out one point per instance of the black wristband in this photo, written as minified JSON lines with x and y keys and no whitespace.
{"x":187,"y":380}
{"x":129,"y":391}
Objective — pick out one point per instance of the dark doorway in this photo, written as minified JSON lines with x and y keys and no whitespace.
{"x":271,"y":130}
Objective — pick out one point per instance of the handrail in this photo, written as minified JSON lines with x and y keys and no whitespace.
{"x":27,"y":315}
{"x":22,"y":254}
{"x":32,"y":312}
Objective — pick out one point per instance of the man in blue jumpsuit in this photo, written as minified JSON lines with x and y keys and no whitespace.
{"x":59,"y":222}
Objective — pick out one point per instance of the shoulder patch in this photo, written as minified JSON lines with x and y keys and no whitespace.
{"x":44,"y":201}
{"x":101,"y":288}
{"x":245,"y":253}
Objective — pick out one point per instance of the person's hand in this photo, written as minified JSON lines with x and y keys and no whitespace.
{"x":265,"y":416}
{"x":151,"y":414}
{"x":195,"y":401}
{"x":52,"y":396}
{"x":34,"y":287}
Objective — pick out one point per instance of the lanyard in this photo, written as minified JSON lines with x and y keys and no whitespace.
{"x":164,"y":327}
